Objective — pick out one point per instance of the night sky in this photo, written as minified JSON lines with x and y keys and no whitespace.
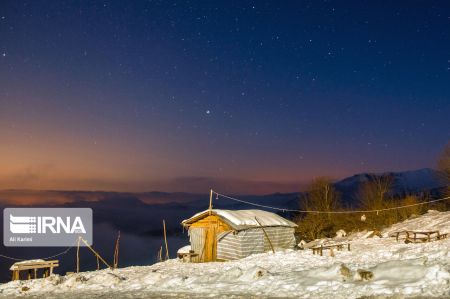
{"x":178,"y":96}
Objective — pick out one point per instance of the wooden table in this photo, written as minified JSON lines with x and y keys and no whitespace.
{"x":33,"y":266}
{"x":419,"y":236}
{"x":338,"y":246}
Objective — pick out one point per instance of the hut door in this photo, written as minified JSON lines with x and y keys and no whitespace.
{"x":211,"y":240}
{"x":197,"y":236}
{"x":203,"y":236}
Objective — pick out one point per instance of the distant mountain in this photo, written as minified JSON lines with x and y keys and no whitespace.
{"x":405,"y":182}
{"x":143,"y":212}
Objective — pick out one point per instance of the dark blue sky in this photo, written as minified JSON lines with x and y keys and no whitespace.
{"x":141,"y":95}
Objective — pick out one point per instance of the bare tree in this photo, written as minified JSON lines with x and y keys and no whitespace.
{"x":322,"y":195}
{"x":373,"y":193}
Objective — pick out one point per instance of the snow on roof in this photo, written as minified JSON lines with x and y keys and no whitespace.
{"x":242,"y":219}
{"x":16,"y":264}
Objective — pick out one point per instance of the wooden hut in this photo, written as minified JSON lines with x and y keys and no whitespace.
{"x":220,"y":235}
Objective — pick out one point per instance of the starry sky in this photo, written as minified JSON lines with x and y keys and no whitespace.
{"x":251,"y":96}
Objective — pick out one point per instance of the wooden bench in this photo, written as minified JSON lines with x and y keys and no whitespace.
{"x":419,"y":236}
{"x":33,"y":266}
{"x":320,"y":248}
{"x":443,"y":236}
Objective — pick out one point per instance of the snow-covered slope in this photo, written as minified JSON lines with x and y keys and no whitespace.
{"x":396,"y":269}
{"x":431,"y":221}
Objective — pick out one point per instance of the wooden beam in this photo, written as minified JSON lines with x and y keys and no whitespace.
{"x":265,"y":233}
{"x":78,"y":254}
{"x":210,"y":201}
{"x":165,"y":241}
{"x":116,"y":251}
{"x":93,"y":251}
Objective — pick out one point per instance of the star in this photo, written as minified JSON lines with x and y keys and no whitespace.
{"x":208,"y":112}
{"x":4,"y":54}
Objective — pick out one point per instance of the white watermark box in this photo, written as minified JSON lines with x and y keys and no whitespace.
{"x":33,"y":227}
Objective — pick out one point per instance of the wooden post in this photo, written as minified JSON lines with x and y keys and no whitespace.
{"x":98,"y":264}
{"x":321,"y":250}
{"x":15,"y":275}
{"x":35,"y":273}
{"x":93,"y":251}
{"x":165,"y":240}
{"x":265,"y":233}
{"x":78,"y":254}
{"x":210,"y":201}
{"x":160,"y":254}
{"x":116,"y":252}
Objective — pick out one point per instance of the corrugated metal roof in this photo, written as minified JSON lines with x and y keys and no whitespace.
{"x":242,"y":219}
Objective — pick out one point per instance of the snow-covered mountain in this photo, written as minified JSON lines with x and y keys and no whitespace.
{"x":405,"y":182}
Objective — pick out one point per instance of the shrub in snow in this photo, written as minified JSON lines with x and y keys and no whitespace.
{"x":81,"y":278}
{"x":364,"y":275}
{"x":253,"y":273}
{"x":341,"y":233}
{"x":346,"y":273}
{"x":56,"y":279}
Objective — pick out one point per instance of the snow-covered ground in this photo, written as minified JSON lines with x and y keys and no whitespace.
{"x":398,"y":270}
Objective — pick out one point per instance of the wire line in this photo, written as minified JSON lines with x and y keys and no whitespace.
{"x":327,"y":212}
{"x":45,"y":258}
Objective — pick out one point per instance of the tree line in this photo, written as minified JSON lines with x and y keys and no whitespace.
{"x":376,"y":193}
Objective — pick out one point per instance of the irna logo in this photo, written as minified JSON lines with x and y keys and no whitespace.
{"x":42,"y":225}
{"x":46,"y":226}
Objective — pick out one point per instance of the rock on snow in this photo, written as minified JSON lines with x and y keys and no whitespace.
{"x":376,"y":267}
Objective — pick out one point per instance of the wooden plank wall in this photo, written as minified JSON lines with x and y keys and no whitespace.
{"x":212,"y":225}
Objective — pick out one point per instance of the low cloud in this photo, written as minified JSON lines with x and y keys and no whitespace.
{"x":229,"y":185}
{"x":44,"y":178}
